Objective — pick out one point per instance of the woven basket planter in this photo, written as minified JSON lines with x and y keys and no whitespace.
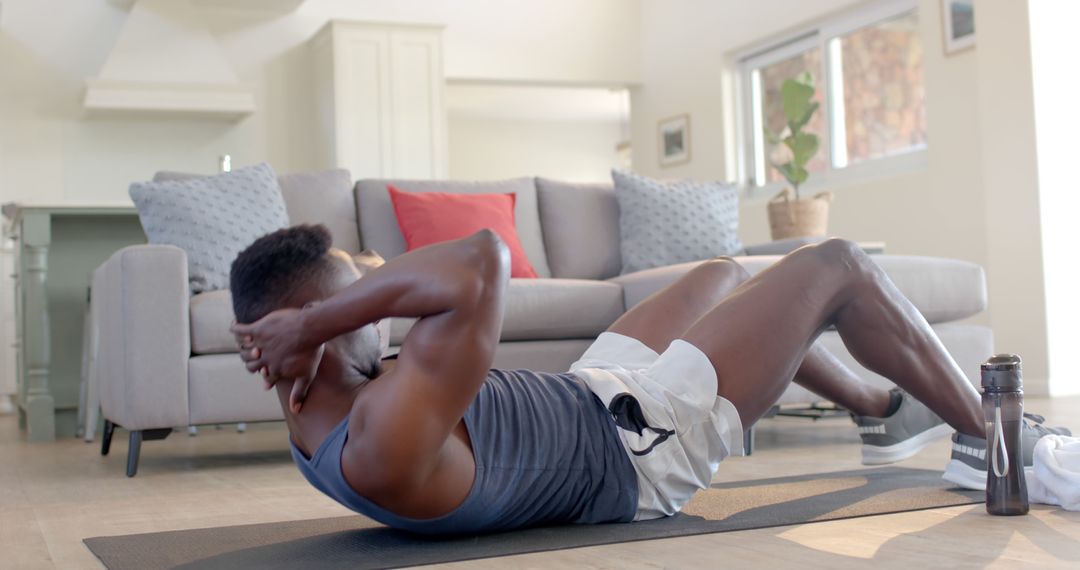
{"x":790,"y":218}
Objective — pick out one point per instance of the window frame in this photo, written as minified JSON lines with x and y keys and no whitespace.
{"x":823,"y":35}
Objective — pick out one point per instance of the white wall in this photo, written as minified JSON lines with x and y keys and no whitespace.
{"x":1056,"y":124}
{"x":490,"y":148}
{"x":1011,"y":187}
{"x":683,"y":46}
{"x":935,"y":211}
{"x":504,"y":131}
{"x":50,"y":152}
{"x":972,"y":201}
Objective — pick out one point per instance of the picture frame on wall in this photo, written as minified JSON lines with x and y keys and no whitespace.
{"x":674,"y":133}
{"x":958,"y":24}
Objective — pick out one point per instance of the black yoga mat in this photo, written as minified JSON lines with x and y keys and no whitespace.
{"x":358,"y":542}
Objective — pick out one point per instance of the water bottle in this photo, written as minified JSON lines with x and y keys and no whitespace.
{"x":1003,"y":410}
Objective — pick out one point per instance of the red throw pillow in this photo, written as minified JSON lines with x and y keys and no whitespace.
{"x":432,"y":217}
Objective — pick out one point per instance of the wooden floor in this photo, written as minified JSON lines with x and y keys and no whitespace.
{"x":54,"y":495}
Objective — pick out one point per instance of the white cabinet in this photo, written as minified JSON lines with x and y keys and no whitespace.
{"x":379,"y":97}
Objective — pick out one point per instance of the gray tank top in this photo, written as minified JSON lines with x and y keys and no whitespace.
{"x":547,"y":452}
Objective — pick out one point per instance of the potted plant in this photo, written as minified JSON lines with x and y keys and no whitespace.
{"x":790,"y":218}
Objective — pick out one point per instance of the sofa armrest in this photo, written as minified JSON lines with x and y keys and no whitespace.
{"x":143,"y":336}
{"x":781,"y":246}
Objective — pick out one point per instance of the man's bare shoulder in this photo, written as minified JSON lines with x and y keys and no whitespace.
{"x":382,"y":459}
{"x":376,"y":435}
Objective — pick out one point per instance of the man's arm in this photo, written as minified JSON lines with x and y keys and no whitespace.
{"x":397,"y":441}
{"x":455,"y":289}
{"x":424,"y":282}
{"x":420,"y":284}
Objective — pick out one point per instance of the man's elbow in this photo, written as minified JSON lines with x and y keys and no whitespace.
{"x":487,"y":240}
{"x":492,"y":254}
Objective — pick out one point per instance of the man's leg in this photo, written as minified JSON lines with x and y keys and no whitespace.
{"x":668,"y":313}
{"x":758,"y":337}
{"x":665,"y":315}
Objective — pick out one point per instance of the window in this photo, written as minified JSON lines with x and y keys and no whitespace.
{"x":868,"y":74}
{"x":766,"y":81}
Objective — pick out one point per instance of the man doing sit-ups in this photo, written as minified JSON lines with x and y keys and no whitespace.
{"x":438,"y":442}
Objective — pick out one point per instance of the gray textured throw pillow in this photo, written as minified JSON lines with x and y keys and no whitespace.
{"x":212,"y":219}
{"x":665,"y":223}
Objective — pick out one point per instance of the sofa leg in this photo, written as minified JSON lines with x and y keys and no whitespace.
{"x":106,"y":437}
{"x":134,"y":445}
{"x":748,"y":441}
{"x":135,"y":439}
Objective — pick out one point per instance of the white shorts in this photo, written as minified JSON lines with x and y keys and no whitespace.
{"x":683,"y":430}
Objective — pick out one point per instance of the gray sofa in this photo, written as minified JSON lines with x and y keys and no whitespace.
{"x":165,"y":359}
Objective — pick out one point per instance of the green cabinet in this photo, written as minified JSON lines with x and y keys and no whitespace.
{"x":57,"y":249}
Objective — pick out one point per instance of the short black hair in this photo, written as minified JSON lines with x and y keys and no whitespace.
{"x":273,"y":267}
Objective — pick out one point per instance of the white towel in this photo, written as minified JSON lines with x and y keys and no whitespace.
{"x":1056,"y":476}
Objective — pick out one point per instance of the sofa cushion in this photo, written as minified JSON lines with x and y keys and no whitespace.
{"x":221,"y":390}
{"x":542,"y":309}
{"x":379,"y":229}
{"x":943,"y":290}
{"x":319,"y":197}
{"x":211,"y":317}
{"x":427,"y":218}
{"x":536,"y":309}
{"x":581,"y":229}
{"x":324,"y":197}
{"x":663,"y":223}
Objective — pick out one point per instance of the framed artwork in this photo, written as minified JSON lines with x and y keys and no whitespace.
{"x":958,"y":24}
{"x":675,"y":140}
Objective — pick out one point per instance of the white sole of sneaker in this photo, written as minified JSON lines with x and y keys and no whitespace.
{"x":882,"y":455}
{"x":966,"y":476}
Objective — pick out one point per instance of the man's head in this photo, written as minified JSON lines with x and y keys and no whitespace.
{"x":295,"y":267}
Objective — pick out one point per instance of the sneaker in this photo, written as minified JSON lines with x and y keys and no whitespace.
{"x":967,"y":466}
{"x":903,"y":434}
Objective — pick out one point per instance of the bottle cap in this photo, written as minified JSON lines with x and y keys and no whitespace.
{"x":1002,"y":372}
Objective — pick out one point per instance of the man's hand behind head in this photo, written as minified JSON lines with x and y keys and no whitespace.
{"x":277,"y":347}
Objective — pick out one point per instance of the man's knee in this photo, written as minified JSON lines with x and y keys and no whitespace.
{"x":844,"y":255}
{"x":838,"y":250}
{"x":724,"y":270}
